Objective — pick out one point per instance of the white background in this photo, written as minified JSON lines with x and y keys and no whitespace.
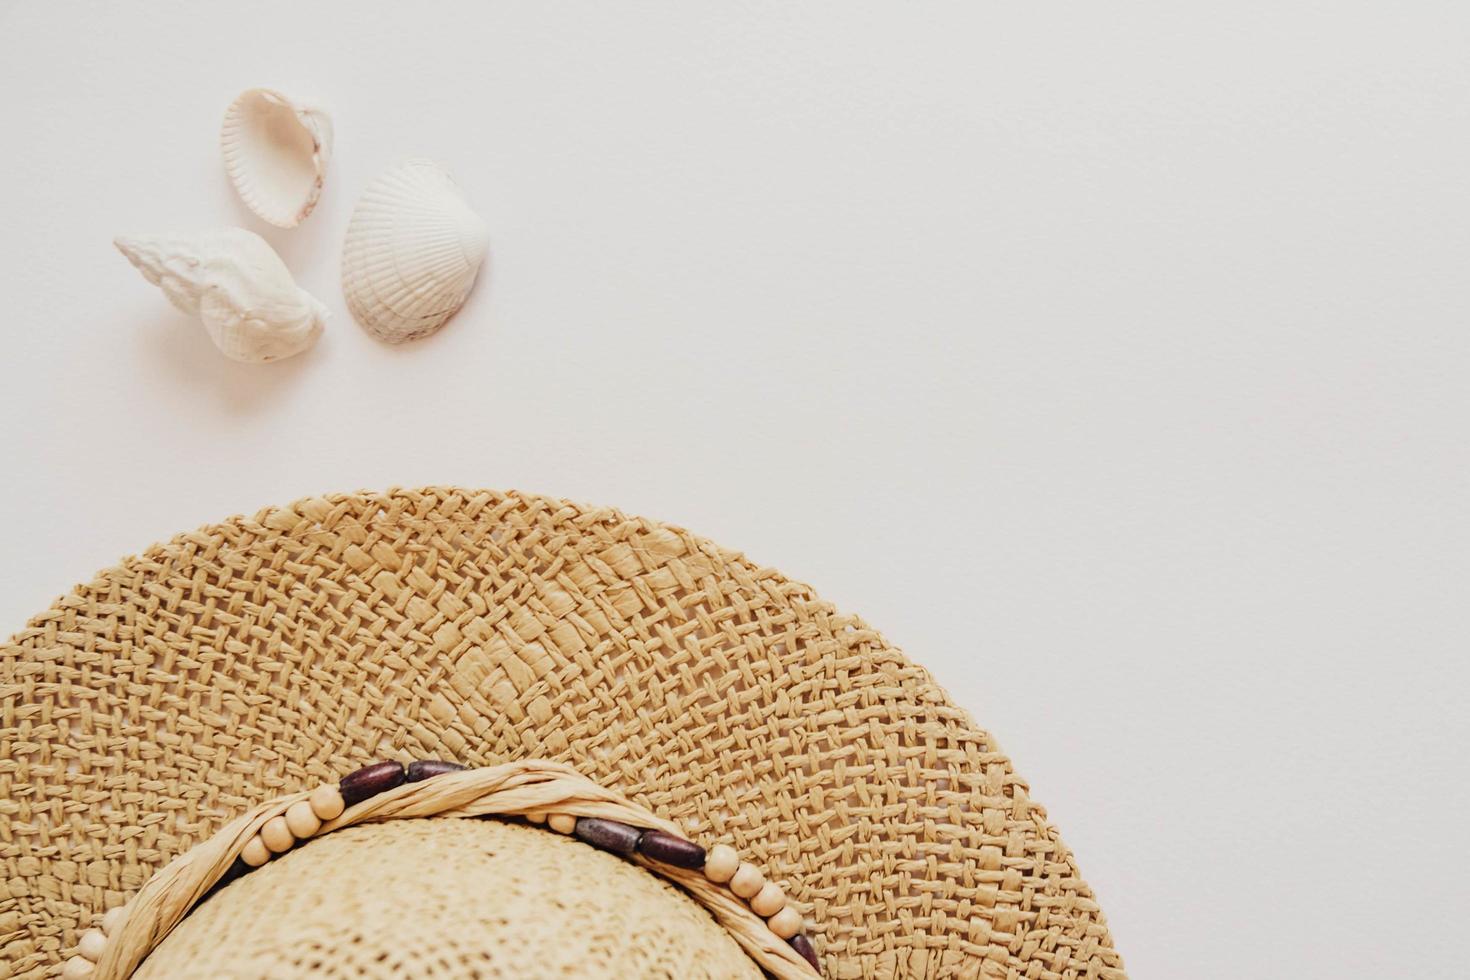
{"x":1111,"y":358}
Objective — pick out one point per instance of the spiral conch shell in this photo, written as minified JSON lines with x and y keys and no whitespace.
{"x":236,"y":284}
{"x":276,"y":152}
{"x":412,"y":252}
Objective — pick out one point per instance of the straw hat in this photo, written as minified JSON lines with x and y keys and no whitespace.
{"x":154,"y":720}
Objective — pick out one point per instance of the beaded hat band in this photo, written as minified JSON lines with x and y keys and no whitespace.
{"x":753,"y":910}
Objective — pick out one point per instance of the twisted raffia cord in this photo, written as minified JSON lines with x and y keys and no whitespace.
{"x":530,"y":786}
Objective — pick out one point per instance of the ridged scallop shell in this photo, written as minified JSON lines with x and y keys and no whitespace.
{"x":237,"y":285}
{"x":276,"y":153}
{"x":412,"y":252}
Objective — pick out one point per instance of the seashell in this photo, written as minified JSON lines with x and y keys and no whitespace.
{"x":412,"y":252}
{"x":276,"y":154}
{"x":233,"y":281}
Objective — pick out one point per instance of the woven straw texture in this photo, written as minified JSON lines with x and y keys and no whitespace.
{"x":265,"y":655}
{"x":319,"y":911}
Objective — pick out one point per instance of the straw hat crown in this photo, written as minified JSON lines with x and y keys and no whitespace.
{"x":448,"y":898}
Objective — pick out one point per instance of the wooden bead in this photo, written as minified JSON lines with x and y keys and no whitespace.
{"x":113,"y":920}
{"x":429,"y":768}
{"x":302,"y":820}
{"x":668,"y":849}
{"x":92,"y":944}
{"x":562,"y":823}
{"x":721,"y":863}
{"x":277,"y":835}
{"x":255,"y":853}
{"x":369,"y":781}
{"x":806,"y":950}
{"x":608,"y":835}
{"x":785,"y":923}
{"x":76,"y":968}
{"x":768,"y":901}
{"x":537,"y":817}
{"x":326,"y":802}
{"x":747,"y":881}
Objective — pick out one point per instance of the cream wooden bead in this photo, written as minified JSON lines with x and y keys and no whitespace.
{"x":92,"y":944}
{"x":785,"y":923}
{"x":721,"y":863}
{"x":277,"y":835}
{"x":113,"y":920}
{"x":536,"y":817}
{"x":562,"y":823}
{"x":255,"y":853}
{"x":769,"y":900}
{"x":748,"y":880}
{"x":302,"y":820}
{"x":76,"y":968}
{"x":326,"y":802}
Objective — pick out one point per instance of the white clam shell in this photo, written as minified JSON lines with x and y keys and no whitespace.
{"x":276,"y":153}
{"x":237,"y":285}
{"x":412,"y":252}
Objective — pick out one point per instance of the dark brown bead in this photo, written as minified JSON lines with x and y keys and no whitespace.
{"x":429,"y":768}
{"x":668,"y":849}
{"x":608,"y":835}
{"x":806,"y":950}
{"x":237,"y":870}
{"x":370,"y":781}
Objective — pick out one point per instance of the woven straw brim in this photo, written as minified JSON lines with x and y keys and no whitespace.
{"x":448,"y":898}
{"x":265,"y":655}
